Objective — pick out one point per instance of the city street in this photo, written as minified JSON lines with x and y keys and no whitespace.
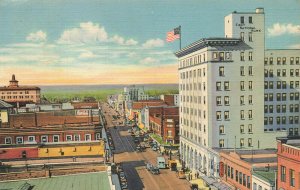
{"x":133,"y":162}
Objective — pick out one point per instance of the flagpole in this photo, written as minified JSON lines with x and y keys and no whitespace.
{"x":180,"y":37}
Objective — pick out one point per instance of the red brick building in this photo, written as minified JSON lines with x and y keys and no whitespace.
{"x":236,"y":166}
{"x":288,"y":152}
{"x":164,"y":121}
{"x":42,"y":127}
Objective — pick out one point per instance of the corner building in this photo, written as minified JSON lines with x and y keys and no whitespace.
{"x":221,"y":87}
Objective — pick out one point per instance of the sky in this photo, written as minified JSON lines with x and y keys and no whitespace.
{"x":57,"y":42}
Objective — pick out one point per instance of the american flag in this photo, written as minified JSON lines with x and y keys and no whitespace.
{"x":173,"y":35}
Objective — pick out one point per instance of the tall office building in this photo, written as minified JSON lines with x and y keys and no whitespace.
{"x":222,"y":95}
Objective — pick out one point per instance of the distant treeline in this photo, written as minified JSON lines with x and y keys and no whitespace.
{"x":60,"y":95}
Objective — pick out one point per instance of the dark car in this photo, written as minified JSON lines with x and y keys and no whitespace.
{"x":194,"y":186}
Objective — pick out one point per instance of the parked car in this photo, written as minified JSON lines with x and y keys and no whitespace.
{"x":155,"y":170}
{"x":149,"y":166}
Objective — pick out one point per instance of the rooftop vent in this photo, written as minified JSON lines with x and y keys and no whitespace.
{"x":259,"y":10}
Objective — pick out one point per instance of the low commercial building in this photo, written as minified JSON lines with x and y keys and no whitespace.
{"x":5,"y":109}
{"x":52,"y":150}
{"x":84,"y":181}
{"x":236,"y":167}
{"x":19,"y":95}
{"x":264,"y":179}
{"x":288,"y":163}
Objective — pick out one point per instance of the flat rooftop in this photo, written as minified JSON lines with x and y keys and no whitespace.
{"x":86,"y":181}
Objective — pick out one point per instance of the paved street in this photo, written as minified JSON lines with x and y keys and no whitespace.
{"x":134,"y":162}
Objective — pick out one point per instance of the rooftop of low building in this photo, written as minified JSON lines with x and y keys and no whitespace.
{"x":86,"y":181}
{"x":4,"y":104}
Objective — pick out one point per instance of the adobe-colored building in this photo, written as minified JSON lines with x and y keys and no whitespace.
{"x":288,"y":152}
{"x":236,"y":166}
{"x":19,"y":95}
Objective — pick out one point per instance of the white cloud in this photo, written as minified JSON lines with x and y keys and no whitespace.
{"x":148,"y":61}
{"x":38,"y":36}
{"x":87,"y":55}
{"x":153,"y":43}
{"x":279,"y":29}
{"x":87,"y":32}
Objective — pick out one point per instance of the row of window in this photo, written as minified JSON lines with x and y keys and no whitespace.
{"x":194,"y":137}
{"x":15,"y":97}
{"x":187,"y":122}
{"x":55,"y":138}
{"x":193,"y":74}
{"x":281,"y":96}
{"x":221,"y":56}
{"x":195,"y":99}
{"x":282,"y":60}
{"x":193,"y":60}
{"x":193,"y":111}
{"x":291,"y":175}
{"x":193,"y":86}
{"x":250,"y":37}
{"x":240,"y":177}
{"x":227,"y":85}
{"x":281,"y":73}
{"x":281,"y":85}
{"x":242,"y":129}
{"x":227,"y":115}
{"x":281,"y":108}
{"x":242,"y":20}
{"x":281,"y":120}
{"x":16,"y":92}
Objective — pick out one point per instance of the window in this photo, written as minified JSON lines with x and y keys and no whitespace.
{"x":221,"y":143}
{"x":242,"y":129}
{"x":31,"y":138}
{"x":291,"y":120}
{"x":284,"y":72}
{"x":98,"y":136}
{"x":242,"y":55}
{"x":266,"y":61}
{"x":242,"y":114}
{"x":249,"y":142}
{"x":226,"y":115}
{"x":283,"y":98}
{"x":242,"y":20}
{"x":283,"y":84}
{"x":55,"y":138}
{"x":271,"y":73}
{"x":248,"y":182}
{"x":218,"y":86}
{"x":278,"y":72}
{"x":266,"y":72}
{"x":236,"y":176}
{"x":297,"y":72}
{"x":226,"y":85}
{"x":250,"y":99}
{"x":270,"y":97}
{"x":221,"y":71}
{"x":292,"y":178}
{"x":244,"y":180}
{"x":251,"y":38}
{"x":291,"y":84}
{"x":278,"y":120}
{"x":250,"y":55}
{"x":250,"y":114}
{"x":242,"y":71}
{"x":8,"y":140}
{"x":278,"y":60}
{"x":284,"y":60}
{"x":69,"y":138}
{"x":250,"y":128}
{"x":278,"y":97}
{"x":215,"y":56}
{"x":291,"y":72}
{"x":242,"y":100}
{"x":242,"y":85}
{"x":250,"y":70}
{"x":250,"y":19}
{"x":266,"y":84}
{"x":218,"y":115}
{"x":19,"y":140}
{"x":226,"y":100}
{"x":221,"y":129}
{"x":283,"y":173}
{"x":242,"y":143}
{"x":240,"y":177}
{"x":292,"y":60}
{"x":250,"y":85}
{"x":270,"y":120}
{"x":87,"y":137}
{"x":44,"y":138}
{"x":254,"y":186}
{"x":297,"y":60}
{"x":242,"y":36}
